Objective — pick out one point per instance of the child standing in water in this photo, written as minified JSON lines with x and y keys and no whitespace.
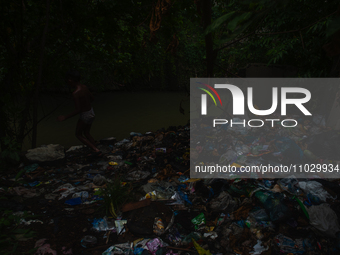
{"x":83,"y":99}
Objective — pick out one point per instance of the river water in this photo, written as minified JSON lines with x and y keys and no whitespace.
{"x":117,"y":114}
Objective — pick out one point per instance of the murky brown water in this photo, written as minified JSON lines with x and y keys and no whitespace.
{"x":117,"y":114}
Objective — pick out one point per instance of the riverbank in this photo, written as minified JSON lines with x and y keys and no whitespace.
{"x":117,"y":114}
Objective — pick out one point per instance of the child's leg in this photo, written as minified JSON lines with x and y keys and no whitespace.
{"x":88,"y":135}
{"x":81,"y":126}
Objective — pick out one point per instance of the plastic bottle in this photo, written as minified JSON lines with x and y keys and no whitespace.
{"x":273,"y":205}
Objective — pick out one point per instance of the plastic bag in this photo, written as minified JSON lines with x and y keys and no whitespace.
{"x":273,"y":204}
{"x":258,"y":248}
{"x":154,"y":244}
{"x":83,"y":195}
{"x":123,"y":248}
{"x":221,"y":202}
{"x":103,"y":224}
{"x":291,"y":185}
{"x":174,"y":236}
{"x":316,"y":189}
{"x":260,"y":215}
{"x":99,"y":180}
{"x":288,"y":245}
{"x":323,"y":218}
{"x":119,"y":224}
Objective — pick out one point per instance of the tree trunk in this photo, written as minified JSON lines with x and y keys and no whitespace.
{"x":210,"y":56}
{"x":39,"y":78}
{"x":2,"y":126}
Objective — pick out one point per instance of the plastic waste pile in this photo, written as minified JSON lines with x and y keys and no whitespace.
{"x":167,"y":212}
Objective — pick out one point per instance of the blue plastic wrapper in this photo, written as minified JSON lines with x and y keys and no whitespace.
{"x":97,"y":198}
{"x":99,"y":224}
{"x":35,"y":183}
{"x":183,"y":178}
{"x":183,"y":196}
{"x":138,"y":251}
{"x":103,"y":224}
{"x":74,"y":201}
{"x":241,"y":223}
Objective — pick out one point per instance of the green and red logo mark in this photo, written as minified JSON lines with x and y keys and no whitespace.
{"x":204,"y":97}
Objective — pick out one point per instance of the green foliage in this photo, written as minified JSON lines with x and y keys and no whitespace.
{"x":110,"y":43}
{"x":115,"y":195}
{"x":12,"y":149}
{"x":219,"y":21}
{"x":239,"y":20}
{"x":10,"y":153}
{"x":11,"y":233}
{"x":20,"y":173}
{"x":276,"y":32}
{"x":334,"y":26}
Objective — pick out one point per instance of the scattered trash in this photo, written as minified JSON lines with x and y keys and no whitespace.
{"x":99,"y":180}
{"x":120,"y":226}
{"x":258,"y":248}
{"x":154,"y":244}
{"x":198,"y":221}
{"x":88,"y":241}
{"x":273,"y":204}
{"x":44,"y":248}
{"x":103,"y":224}
{"x":199,"y":249}
{"x":188,"y":215}
{"x":288,"y":245}
{"x":158,"y":227}
{"x":123,"y":248}
{"x":31,"y":168}
{"x":316,"y":189}
{"x":83,"y":195}
{"x":23,"y":221}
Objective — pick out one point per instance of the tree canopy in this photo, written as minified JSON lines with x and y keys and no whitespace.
{"x":151,"y":44}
